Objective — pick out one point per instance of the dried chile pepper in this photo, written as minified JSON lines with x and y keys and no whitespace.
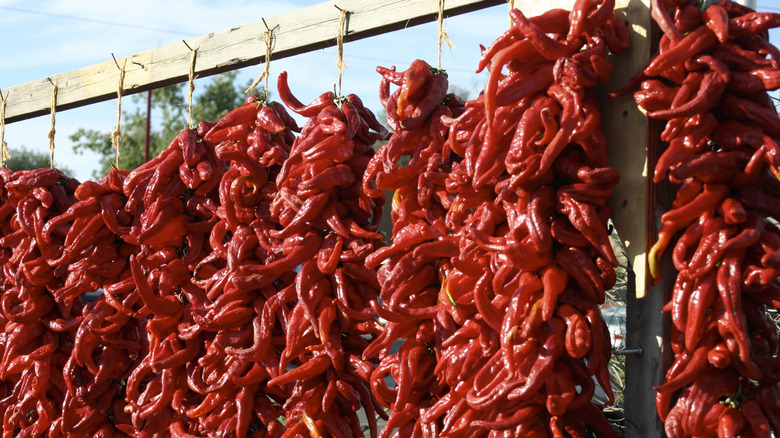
{"x":721,"y":207}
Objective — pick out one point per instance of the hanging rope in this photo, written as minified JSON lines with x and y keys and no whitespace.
{"x":442,"y":32}
{"x":268,"y":37}
{"x":52,"y":130}
{"x":116,"y":134}
{"x":191,"y":83}
{"x":4,"y":155}
{"x":511,"y":7}
{"x":340,"y":43}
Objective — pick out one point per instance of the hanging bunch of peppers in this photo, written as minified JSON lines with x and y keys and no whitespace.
{"x":165,"y":217}
{"x":709,"y":83}
{"x":220,"y":392}
{"x":500,"y":254}
{"x":320,"y":312}
{"x":34,"y":324}
{"x":411,"y":287}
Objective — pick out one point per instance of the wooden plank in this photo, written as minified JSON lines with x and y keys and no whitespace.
{"x":300,"y":31}
{"x":626,"y":131}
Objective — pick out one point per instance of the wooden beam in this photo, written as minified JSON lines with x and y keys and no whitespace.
{"x":300,"y":31}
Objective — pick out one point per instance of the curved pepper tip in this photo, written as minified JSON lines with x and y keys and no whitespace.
{"x":654,"y":263}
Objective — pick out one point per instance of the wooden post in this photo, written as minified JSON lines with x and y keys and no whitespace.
{"x":632,"y":144}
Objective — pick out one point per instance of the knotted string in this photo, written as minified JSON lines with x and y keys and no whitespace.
{"x":340,"y":42}
{"x":52,"y":130}
{"x":4,"y":155}
{"x":268,"y":36}
{"x":442,"y":33}
{"x":511,"y":7}
{"x":191,"y":83}
{"x":116,"y":134}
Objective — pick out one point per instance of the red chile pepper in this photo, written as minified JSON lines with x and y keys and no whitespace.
{"x":617,"y":38}
{"x":689,"y":46}
{"x":707,"y":96}
{"x":711,"y":247}
{"x":310,"y":208}
{"x":729,"y":280}
{"x":731,"y":423}
{"x":517,"y":86}
{"x":565,"y":234}
{"x":269,"y":119}
{"x":716,"y":18}
{"x":708,"y":200}
{"x":655,"y":95}
{"x":581,"y":268}
{"x":685,"y":244}
{"x":417,"y":75}
{"x":240,"y":116}
{"x":753,"y":23}
{"x":554,"y":280}
{"x":161,"y":306}
{"x":310,"y":110}
{"x":756,"y":419}
{"x":751,"y":112}
{"x":585,"y":219}
{"x":759,"y":200}
{"x":578,"y":336}
{"x":768,"y":397}
{"x":551,"y":348}
{"x":699,"y":303}
{"x":733,"y":211}
{"x":517,"y":49}
{"x":660,"y":16}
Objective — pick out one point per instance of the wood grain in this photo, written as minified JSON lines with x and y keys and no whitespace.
{"x":296,"y":32}
{"x":632,"y":140}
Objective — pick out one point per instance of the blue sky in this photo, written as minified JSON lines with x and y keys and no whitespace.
{"x":47,"y":37}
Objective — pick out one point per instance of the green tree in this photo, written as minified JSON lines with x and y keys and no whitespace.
{"x":28,"y":159}
{"x":169,"y":116}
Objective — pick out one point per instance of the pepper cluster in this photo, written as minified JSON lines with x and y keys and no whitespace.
{"x":415,"y":165}
{"x":234,"y":286}
{"x":500,"y":254}
{"x":332,"y":225}
{"x":34,"y":324}
{"x":709,"y":82}
{"x":159,"y":214}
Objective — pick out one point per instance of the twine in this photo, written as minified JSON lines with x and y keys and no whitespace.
{"x":442,"y":32}
{"x":340,"y":42}
{"x":52,"y":130}
{"x":511,"y":7}
{"x":4,"y":155}
{"x":268,"y":37}
{"x":191,"y":84}
{"x":116,"y":134}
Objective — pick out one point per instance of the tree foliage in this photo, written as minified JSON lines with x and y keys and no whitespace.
{"x":28,"y":159}
{"x":169,"y":116}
